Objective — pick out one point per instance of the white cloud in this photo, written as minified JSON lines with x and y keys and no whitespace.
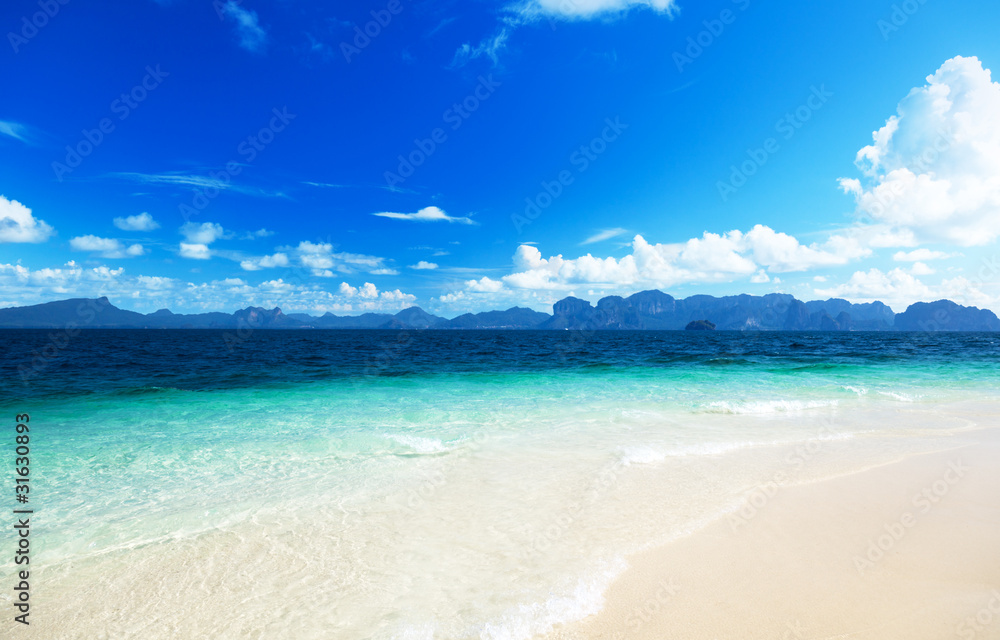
{"x":605,"y":234}
{"x":259,"y":233}
{"x":484,"y":285}
{"x":139,"y":222}
{"x":106,"y":247}
{"x":155,"y":283}
{"x":760,"y":277}
{"x":195,"y":251}
{"x":368,"y":291}
{"x":490,"y":47}
{"x":145,"y":293}
{"x":921,"y":255}
{"x":320,"y":257}
{"x":423,"y":265}
{"x":427,"y":214}
{"x":15,"y":130}
{"x":265,"y":262}
{"x":933,"y":171}
{"x":584,"y":9}
{"x":93,"y":243}
{"x":710,"y":258}
{"x":921,"y":269}
{"x":899,"y":289}
{"x":780,"y":252}
{"x":204,"y":233}
{"x":18,"y":225}
{"x":252,"y":36}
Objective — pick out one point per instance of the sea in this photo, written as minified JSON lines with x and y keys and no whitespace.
{"x":429,"y":484}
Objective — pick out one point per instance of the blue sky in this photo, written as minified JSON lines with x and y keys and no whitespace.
{"x":479,"y":155}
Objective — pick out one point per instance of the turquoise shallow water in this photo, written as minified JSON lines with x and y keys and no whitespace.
{"x":439,"y":484}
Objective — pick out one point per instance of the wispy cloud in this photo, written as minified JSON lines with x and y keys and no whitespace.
{"x":16,"y":130}
{"x":335,"y":185}
{"x":587,"y":9}
{"x":427,"y":214}
{"x":195,"y":181}
{"x":252,"y":36}
{"x":440,"y":25}
{"x":523,"y":12}
{"x":605,"y":234}
{"x":490,"y":47}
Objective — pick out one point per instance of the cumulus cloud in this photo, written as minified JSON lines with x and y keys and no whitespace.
{"x":195,"y":251}
{"x":204,"y":233}
{"x":323,"y":260}
{"x":139,"y":222}
{"x":106,"y":247}
{"x":921,"y":255}
{"x":711,"y":258}
{"x":252,"y":36}
{"x":932,"y":172}
{"x":423,"y":265}
{"x":427,"y":214}
{"x":18,"y":225}
{"x":265,"y":262}
{"x":368,"y":291}
{"x":484,"y":285}
{"x":145,"y":293}
{"x":899,"y":289}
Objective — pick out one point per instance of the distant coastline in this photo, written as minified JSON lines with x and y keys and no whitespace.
{"x":644,"y":311}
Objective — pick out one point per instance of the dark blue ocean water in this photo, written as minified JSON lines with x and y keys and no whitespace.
{"x":41,"y":363}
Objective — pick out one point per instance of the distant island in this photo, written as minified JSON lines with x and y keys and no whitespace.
{"x":648,"y":310}
{"x":700,"y":325}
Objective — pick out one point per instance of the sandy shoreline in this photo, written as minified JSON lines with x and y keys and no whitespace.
{"x":908,"y":550}
{"x":845,"y":544}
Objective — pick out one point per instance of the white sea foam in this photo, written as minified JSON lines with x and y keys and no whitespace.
{"x":861,"y":391}
{"x":901,"y":397}
{"x":641,"y":455}
{"x":526,"y":621}
{"x":418,"y":443}
{"x":764,"y":407}
{"x":713,"y":448}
